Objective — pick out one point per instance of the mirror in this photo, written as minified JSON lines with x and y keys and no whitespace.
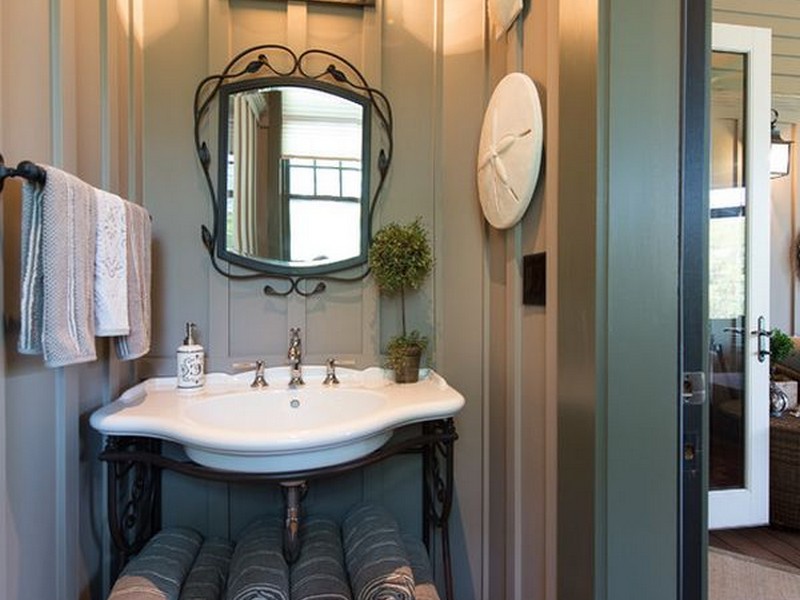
{"x":294,"y":190}
{"x":293,"y":199}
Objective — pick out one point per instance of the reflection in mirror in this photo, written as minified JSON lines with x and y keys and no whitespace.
{"x":295,"y":189}
{"x":293,"y":200}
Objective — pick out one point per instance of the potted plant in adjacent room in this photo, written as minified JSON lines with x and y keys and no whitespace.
{"x":782,"y":389}
{"x":400,"y":259}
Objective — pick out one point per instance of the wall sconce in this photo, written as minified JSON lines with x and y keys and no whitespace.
{"x":779,"y":151}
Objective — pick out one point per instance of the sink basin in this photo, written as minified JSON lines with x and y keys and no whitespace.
{"x":228,"y":425}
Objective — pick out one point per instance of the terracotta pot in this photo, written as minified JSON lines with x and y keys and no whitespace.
{"x":408,"y":369}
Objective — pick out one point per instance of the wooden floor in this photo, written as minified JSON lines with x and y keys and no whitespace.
{"x":780,"y":546}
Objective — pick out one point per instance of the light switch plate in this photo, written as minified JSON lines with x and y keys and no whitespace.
{"x":534,"y":279}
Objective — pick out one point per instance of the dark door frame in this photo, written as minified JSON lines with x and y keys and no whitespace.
{"x":693,"y":417}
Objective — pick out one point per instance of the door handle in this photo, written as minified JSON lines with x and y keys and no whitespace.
{"x":734,"y":330}
{"x":763,"y":339}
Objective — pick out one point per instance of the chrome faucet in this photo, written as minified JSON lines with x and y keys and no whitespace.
{"x":295,"y":355}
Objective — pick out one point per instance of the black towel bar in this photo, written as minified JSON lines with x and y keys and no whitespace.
{"x":26,"y":169}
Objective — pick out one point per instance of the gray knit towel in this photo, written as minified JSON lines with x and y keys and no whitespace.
{"x":206,"y":580}
{"x":319,"y":572}
{"x":376,"y":559}
{"x":258,"y":569}
{"x":31,"y":292}
{"x":158,"y":571}
{"x":58,"y":248}
{"x":139,"y":273}
{"x":424,"y":586}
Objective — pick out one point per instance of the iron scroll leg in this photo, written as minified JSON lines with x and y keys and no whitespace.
{"x":134,"y":497}
{"x":437,"y":502}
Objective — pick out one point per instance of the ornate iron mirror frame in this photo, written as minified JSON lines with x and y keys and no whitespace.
{"x":255,"y":63}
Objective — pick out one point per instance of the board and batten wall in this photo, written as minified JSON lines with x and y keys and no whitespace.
{"x":68,"y":97}
{"x":428,"y":59}
{"x":438,"y":66}
{"x":521,"y":417}
{"x":783,"y":18}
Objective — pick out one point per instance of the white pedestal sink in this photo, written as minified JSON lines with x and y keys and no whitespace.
{"x":230,"y":426}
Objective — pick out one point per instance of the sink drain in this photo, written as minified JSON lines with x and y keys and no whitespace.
{"x":295,"y":403}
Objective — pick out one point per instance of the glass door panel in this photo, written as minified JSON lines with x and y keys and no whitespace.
{"x":727,"y":249}
{"x":738,"y":299}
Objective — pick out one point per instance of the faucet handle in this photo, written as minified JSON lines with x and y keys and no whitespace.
{"x":259,"y":366}
{"x":330,"y":373}
{"x":258,"y":380}
{"x":243,"y":366}
{"x":330,"y":369}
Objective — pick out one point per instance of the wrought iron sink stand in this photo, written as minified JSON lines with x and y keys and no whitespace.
{"x":134,"y":486}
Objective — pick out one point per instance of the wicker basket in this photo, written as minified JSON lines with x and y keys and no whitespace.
{"x":784,"y":467}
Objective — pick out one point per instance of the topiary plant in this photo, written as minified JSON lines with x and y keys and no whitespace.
{"x":400,"y":259}
{"x":780,"y":347}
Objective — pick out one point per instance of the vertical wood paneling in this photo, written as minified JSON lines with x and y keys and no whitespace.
{"x":342,"y":336}
{"x":371,"y":43}
{"x":297,"y":24}
{"x":175,"y":51}
{"x":89,"y":111}
{"x":135,"y":102}
{"x":513,"y":365}
{"x":522,"y":389}
{"x":65,"y":458}
{"x":26,"y":90}
{"x":29,"y":433}
{"x":537,"y":520}
{"x":242,"y":322}
{"x":257,"y":326}
{"x":498,"y":469}
{"x":51,"y":108}
{"x":339,"y":28}
{"x":579,"y":369}
{"x":118,"y":69}
{"x":461,"y":263}
{"x":551,"y":199}
{"x":429,"y":62}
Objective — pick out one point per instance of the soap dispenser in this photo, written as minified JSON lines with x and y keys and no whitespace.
{"x":191,"y":359}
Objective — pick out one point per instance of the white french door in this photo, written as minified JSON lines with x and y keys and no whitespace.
{"x":739,"y":276}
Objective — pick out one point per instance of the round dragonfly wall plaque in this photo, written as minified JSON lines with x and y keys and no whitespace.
{"x":510,"y":151}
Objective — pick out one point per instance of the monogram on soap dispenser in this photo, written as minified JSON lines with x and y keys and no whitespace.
{"x":191,"y":362}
